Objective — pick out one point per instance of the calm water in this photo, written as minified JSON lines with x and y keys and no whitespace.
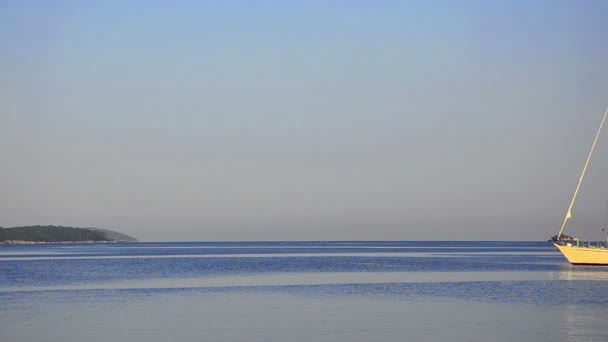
{"x":300,"y":291}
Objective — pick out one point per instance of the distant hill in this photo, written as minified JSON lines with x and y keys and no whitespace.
{"x":116,"y":236}
{"x":30,"y":234}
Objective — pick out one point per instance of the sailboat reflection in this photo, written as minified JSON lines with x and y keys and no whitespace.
{"x":580,"y":273}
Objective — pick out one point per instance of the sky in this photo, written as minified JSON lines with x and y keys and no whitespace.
{"x":303,"y":120}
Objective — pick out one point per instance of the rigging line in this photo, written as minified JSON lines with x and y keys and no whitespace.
{"x":605,"y":218}
{"x":580,"y":181}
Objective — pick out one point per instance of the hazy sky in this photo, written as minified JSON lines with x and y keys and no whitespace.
{"x":303,"y":120}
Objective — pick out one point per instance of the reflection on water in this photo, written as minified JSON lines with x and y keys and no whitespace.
{"x":294,"y":279}
{"x":218,"y":316}
{"x":338,"y":291}
{"x":579,"y":273}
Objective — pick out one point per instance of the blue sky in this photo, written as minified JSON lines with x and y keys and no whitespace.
{"x":302,"y":120}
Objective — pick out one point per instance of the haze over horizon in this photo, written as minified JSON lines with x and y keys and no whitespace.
{"x":316,"y":120}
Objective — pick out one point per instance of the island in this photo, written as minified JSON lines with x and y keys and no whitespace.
{"x":59,"y":234}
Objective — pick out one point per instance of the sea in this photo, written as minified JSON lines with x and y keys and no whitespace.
{"x":299,"y":291}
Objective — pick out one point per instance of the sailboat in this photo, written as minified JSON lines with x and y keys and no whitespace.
{"x":580,"y":252}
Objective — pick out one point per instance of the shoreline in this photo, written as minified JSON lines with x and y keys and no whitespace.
{"x":26,"y":242}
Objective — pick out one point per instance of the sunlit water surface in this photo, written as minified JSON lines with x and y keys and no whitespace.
{"x":299,"y":291}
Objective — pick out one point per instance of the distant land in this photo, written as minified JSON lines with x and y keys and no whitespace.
{"x":59,"y":234}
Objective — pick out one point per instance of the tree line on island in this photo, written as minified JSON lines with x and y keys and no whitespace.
{"x":40,"y":234}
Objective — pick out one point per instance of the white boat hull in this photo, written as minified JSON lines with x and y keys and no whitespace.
{"x":584,"y":255}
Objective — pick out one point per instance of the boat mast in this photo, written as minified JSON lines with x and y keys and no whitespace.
{"x":580,"y":181}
